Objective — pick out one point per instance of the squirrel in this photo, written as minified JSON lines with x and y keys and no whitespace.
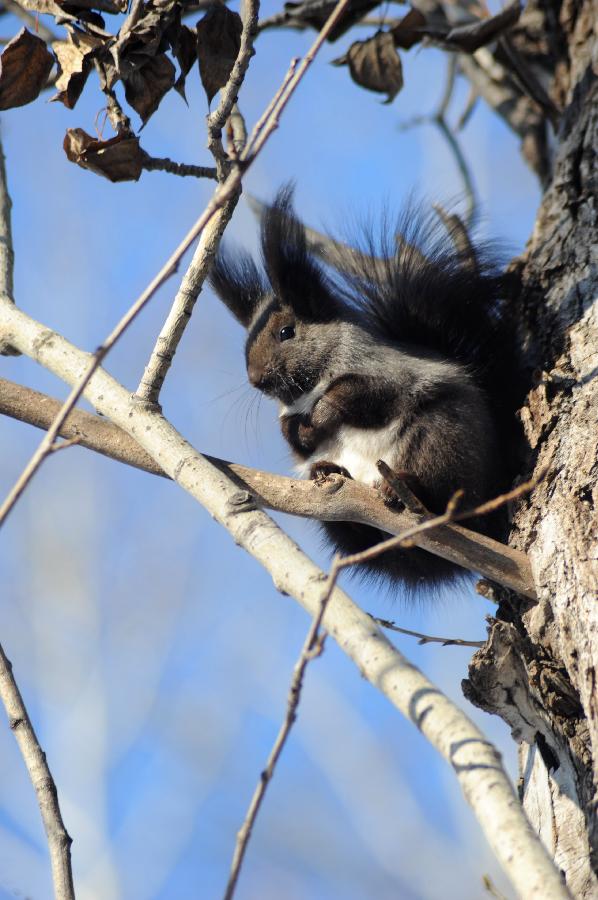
{"x":404,"y":356}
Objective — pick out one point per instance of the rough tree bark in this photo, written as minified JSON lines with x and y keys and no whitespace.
{"x":539,"y":669}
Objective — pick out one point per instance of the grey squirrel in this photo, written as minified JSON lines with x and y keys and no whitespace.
{"x":403,"y":356}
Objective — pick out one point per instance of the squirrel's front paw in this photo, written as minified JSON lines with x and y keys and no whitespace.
{"x":322,"y":469}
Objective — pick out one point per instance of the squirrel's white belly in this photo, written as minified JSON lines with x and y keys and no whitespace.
{"x":357,"y":450}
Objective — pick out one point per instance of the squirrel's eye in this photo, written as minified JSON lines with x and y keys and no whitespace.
{"x":287,"y":333}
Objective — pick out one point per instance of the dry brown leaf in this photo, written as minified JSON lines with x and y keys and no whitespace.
{"x":184,"y":48}
{"x":218,"y":42}
{"x":145,"y":87}
{"x":118,"y":159}
{"x":75,"y":59}
{"x":375,"y":65}
{"x":315,"y":14}
{"x":469,"y":38}
{"x":25,"y":65}
{"x":407,"y":33}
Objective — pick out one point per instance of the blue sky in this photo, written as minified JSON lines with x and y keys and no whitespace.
{"x":154,"y":655}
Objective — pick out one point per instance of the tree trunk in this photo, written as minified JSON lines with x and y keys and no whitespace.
{"x":539,"y":668}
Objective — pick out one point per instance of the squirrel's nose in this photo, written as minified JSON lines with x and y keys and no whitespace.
{"x":254,"y":374}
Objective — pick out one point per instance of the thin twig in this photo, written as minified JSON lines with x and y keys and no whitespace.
{"x":163,"y":164}
{"x":427,"y":638}
{"x":289,"y":19}
{"x":459,"y":157}
{"x":405,"y":538}
{"x":492,"y":889}
{"x":470,"y":105}
{"x":449,"y":87}
{"x":333,"y":500}
{"x":271,"y":107}
{"x":312,"y":648}
{"x":438,"y":118}
{"x":59,"y":841}
{"x":63,"y":445}
{"x":255,"y":144}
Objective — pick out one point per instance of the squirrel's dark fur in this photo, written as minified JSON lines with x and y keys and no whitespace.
{"x":402,"y":354}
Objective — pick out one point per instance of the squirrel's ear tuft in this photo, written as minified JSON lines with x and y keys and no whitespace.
{"x":238,"y":282}
{"x":296,"y":277}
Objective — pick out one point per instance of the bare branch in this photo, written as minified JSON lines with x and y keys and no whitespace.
{"x":470,"y":105}
{"x":335,"y":499}
{"x":312,"y":648}
{"x":476,"y":763}
{"x":63,"y":445}
{"x":272,"y":106}
{"x":426,"y":638}
{"x":230,"y":92}
{"x":59,"y":842}
{"x":438,"y":118}
{"x":163,"y":164}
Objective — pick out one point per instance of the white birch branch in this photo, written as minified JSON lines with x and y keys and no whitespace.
{"x":177,"y":319}
{"x":476,"y":763}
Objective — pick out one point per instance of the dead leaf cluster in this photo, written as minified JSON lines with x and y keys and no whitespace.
{"x":152,"y":53}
